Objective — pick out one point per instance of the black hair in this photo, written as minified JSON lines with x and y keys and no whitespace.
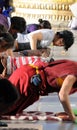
{"x":1,"y":3}
{"x":2,"y":29}
{"x":6,"y":4}
{"x":7,"y":37}
{"x":8,"y":93}
{"x":44,"y":24}
{"x":68,"y":38}
{"x":18,"y":23}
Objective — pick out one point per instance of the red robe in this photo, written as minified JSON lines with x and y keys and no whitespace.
{"x":52,"y":76}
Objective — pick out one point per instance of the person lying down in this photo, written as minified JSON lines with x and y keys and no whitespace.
{"x":32,"y":81}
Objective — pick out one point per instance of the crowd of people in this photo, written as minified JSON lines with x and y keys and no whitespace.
{"x":24,"y":78}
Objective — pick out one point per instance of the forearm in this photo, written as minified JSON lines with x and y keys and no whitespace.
{"x":68,"y":109}
{"x":38,"y":52}
{"x":64,"y":95}
{"x":33,"y":43}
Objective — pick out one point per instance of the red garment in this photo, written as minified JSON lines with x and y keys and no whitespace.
{"x":51,"y":74}
{"x":28,"y":93}
{"x":57,"y":71}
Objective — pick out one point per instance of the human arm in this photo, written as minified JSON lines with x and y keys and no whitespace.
{"x":34,"y":37}
{"x":45,"y":52}
{"x":3,"y":61}
{"x":64,"y":95}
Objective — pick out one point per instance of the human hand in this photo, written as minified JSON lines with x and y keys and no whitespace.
{"x":75,"y":113}
{"x":75,"y":121}
{"x":1,"y":76}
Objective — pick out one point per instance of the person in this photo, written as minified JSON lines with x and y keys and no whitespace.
{"x":6,"y":39}
{"x":10,"y":95}
{"x":43,"y":38}
{"x":41,"y":24}
{"x":6,"y":42}
{"x":44,"y":24}
{"x":5,"y":10}
{"x":30,"y":28}
{"x":17,"y":29}
{"x":18,"y":24}
{"x":59,"y":76}
{"x":8,"y":64}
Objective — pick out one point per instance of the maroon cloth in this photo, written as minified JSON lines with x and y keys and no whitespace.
{"x":49,"y":73}
{"x":60,"y":69}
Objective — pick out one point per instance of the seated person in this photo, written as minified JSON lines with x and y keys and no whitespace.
{"x":31,"y":81}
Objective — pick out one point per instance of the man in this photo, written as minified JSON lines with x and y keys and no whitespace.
{"x":42,"y":78}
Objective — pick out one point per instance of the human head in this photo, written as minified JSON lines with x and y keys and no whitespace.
{"x":8,"y":95}
{"x":44,"y":24}
{"x":6,"y":41}
{"x":64,"y":38}
{"x":18,"y":24}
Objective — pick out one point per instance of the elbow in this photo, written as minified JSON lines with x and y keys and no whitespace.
{"x":62,"y":97}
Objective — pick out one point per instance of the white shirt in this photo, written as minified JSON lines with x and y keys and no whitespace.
{"x":48,"y":36}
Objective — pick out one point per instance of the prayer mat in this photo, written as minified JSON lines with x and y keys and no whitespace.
{"x":37,"y":115}
{"x":22,"y":126}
